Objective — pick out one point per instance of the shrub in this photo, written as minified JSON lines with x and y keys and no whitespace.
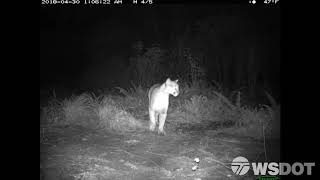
{"x":145,"y":65}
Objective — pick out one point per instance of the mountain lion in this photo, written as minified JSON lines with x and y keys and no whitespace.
{"x":158,"y":96}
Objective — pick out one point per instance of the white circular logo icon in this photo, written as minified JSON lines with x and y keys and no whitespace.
{"x":240,"y":165}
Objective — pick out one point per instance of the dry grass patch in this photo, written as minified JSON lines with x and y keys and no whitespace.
{"x":112,"y":116}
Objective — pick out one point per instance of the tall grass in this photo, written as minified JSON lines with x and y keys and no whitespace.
{"x":197,"y":104}
{"x":200,"y":109}
{"x":89,"y":111}
{"x":135,"y":99}
{"x":247,"y":121}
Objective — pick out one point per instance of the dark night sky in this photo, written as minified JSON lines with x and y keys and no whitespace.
{"x":76,"y":42}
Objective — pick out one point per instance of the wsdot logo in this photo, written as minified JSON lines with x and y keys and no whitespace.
{"x":240,"y":165}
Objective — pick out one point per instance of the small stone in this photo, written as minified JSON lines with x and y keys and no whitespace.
{"x":194,"y":168}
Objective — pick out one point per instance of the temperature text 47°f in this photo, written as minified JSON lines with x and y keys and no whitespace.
{"x":271,"y":1}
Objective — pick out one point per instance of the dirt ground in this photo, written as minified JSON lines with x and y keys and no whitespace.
{"x":82,"y":154}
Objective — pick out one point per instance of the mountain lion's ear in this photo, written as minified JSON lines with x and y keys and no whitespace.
{"x":168,"y":80}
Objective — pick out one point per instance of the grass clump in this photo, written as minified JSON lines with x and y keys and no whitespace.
{"x":78,"y":110}
{"x":89,"y":111}
{"x":113,"y":117}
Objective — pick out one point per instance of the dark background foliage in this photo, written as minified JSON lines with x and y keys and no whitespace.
{"x":85,"y":48}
